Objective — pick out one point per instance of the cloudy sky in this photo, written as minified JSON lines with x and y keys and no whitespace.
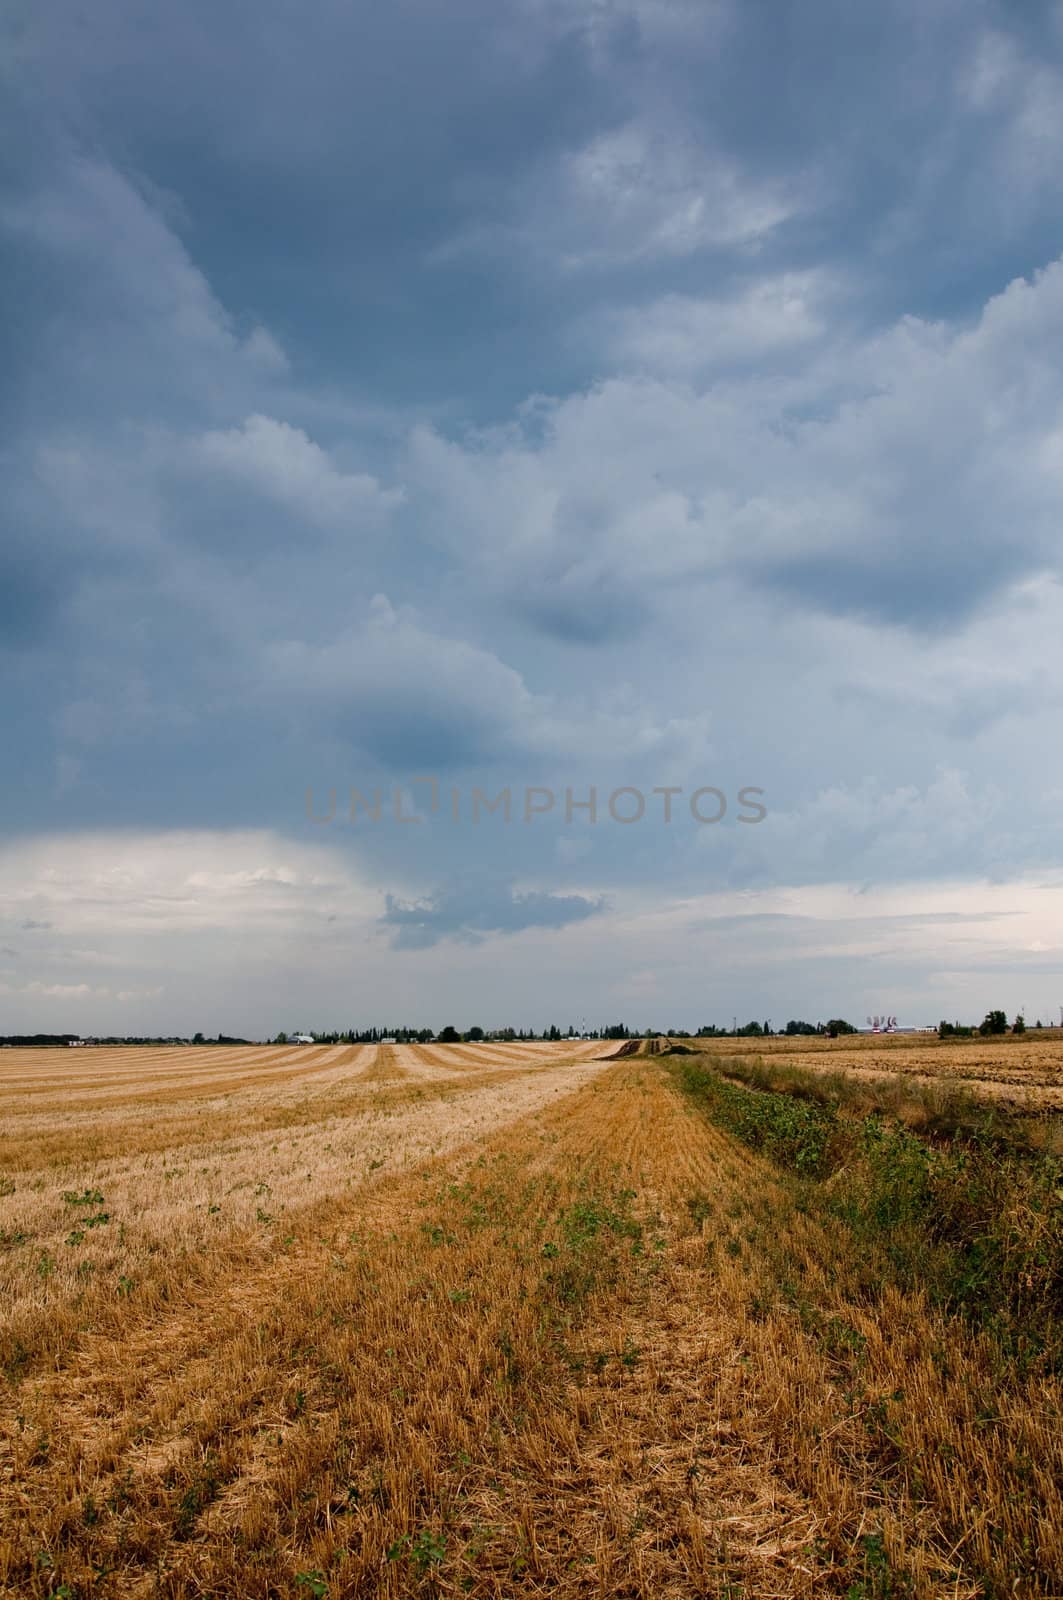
{"x":540,"y":395}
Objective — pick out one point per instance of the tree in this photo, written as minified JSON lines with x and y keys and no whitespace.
{"x":838,"y":1025}
{"x":449,"y":1035}
{"x":1020,"y":1025}
{"x":199,"y":1039}
{"x":994,"y":1022}
{"x":282,"y":1038}
{"x":474,"y":1035}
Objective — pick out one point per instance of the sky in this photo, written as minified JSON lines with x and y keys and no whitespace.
{"x":531,"y":398}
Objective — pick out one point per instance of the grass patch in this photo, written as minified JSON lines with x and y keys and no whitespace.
{"x":973,"y":1216}
{"x":794,"y":1132}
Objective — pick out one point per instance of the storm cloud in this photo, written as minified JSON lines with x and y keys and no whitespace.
{"x":633,"y":394}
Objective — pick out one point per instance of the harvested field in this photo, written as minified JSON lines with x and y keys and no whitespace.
{"x":1025,"y":1071}
{"x":210,"y":1150}
{"x":507,"y":1321}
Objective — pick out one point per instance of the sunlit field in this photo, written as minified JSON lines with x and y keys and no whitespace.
{"x":515,"y":1320}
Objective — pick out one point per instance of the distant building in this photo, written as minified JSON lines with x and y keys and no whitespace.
{"x":300,"y":1038}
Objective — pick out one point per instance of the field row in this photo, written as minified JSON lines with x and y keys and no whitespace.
{"x":408,"y":1324}
{"x":95,"y":1074}
{"x":141,"y":1191}
{"x":1023,"y":1071}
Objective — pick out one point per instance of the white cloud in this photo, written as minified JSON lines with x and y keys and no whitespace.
{"x":104,"y":490}
{"x":394,"y":685}
{"x":53,"y":991}
{"x":906,"y":475}
{"x":704,"y":566}
{"x":644,"y":191}
{"x":150,"y":883}
{"x":241,"y":931}
{"x":283,"y":463}
{"x":920,"y":949}
{"x":684,"y":335}
{"x":263,"y":351}
{"x":1026,"y":94}
{"x":130,"y":258}
{"x":209,"y":920}
{"x":1005,"y":666}
{"x":659,"y":22}
{"x":648,"y":191}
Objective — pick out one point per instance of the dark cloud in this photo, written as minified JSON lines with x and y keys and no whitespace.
{"x":30,"y":593}
{"x":471,"y":912}
{"x":428,"y":174}
{"x":657,"y":362}
{"x":923,"y":585}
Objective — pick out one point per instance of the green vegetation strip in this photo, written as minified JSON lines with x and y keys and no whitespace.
{"x":972,"y":1219}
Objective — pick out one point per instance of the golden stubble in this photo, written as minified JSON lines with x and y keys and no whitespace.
{"x":397,"y":1395}
{"x":1024,"y":1072}
{"x":210,"y":1157}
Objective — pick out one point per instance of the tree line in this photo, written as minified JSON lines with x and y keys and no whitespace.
{"x":452,"y":1035}
{"x":993,"y":1023}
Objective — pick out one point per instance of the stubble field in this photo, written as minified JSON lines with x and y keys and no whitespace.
{"x":510,"y":1320}
{"x":1025,"y":1072}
